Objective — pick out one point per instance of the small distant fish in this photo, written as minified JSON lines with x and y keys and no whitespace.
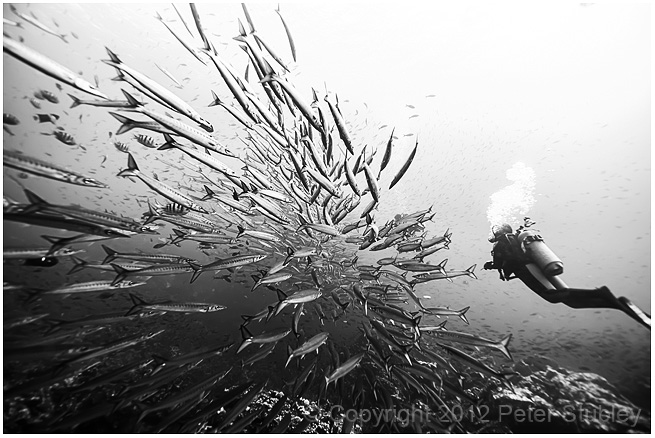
{"x":176,"y":209}
{"x":43,"y":118}
{"x":408,"y":135}
{"x":410,"y":106}
{"x":122,"y":147}
{"x":63,"y":137}
{"x":97,"y":81}
{"x":45,"y":94}
{"x":59,"y":87}
{"x":75,"y":35}
{"x":7,"y":130}
{"x":33,"y":21}
{"x":38,"y":94}
{"x":412,"y":116}
{"x":9,"y":119}
{"x":145,"y":140}
{"x":11,"y":22}
{"x":35,"y":103}
{"x":431,"y":95}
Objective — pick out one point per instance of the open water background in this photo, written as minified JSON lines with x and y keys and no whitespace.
{"x":563,"y":88}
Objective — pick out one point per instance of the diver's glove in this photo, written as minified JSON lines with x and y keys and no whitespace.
{"x":489,"y":266}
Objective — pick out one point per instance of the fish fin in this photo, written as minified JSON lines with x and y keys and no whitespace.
{"x":246,"y":319}
{"x":137,"y":303}
{"x":132,"y":101}
{"x":126,"y":123}
{"x":121,"y":274}
{"x":36,"y":201}
{"x":56,"y":243}
{"x":111,"y":254}
{"x":271,"y":311}
{"x":502,"y":346}
{"x":113,"y":56}
{"x":131,"y":162}
{"x":197,"y":270}
{"x":216,"y":101}
{"x":79,"y":265}
{"x":76,"y":101}
{"x":289,"y":353}
{"x":268,"y":78}
{"x":170,"y":143}
{"x":462,"y":314}
{"x":209,"y":194}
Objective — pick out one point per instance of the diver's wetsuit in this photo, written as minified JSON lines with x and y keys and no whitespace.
{"x":509,"y":259}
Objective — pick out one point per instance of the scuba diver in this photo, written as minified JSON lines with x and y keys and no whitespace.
{"x":524,"y":255}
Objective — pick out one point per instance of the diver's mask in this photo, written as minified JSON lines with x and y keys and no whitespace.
{"x":499,"y":230}
{"x":534,"y":247}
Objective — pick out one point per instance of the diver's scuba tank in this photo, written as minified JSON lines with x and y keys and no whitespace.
{"x":534,"y":247}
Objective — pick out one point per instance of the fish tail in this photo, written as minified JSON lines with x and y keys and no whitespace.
{"x":462,"y":314}
{"x":290,"y":355}
{"x":126,"y":123}
{"x":244,"y":344}
{"x":76,"y":101}
{"x":111,"y":254}
{"x":56,"y":244}
{"x":470,"y":273}
{"x":345,"y":306}
{"x":268,"y":78}
{"x":132,"y":101}
{"x":113,"y":56}
{"x":197,"y":270}
{"x":246,"y":319}
{"x":121,"y":274}
{"x":79,"y":265}
{"x":36,"y":202}
{"x":241,"y":231}
{"x":131,"y":162}
{"x":138,"y":302}
{"x":502,"y":346}
{"x":271,"y":311}
{"x":170,"y":143}
{"x":216,"y":101}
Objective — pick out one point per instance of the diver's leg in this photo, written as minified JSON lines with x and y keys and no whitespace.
{"x":597,"y":298}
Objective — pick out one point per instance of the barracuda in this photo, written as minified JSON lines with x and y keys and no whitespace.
{"x":307,"y":347}
{"x":171,"y":306}
{"x":205,"y":157}
{"x":182,"y":129}
{"x":93,"y":286}
{"x":229,"y":263}
{"x":48,"y":66}
{"x":172,"y":269}
{"x":42,"y":168}
{"x":32,"y":253}
{"x":162,"y":93}
{"x":159,"y":187}
{"x":263,"y":338}
{"x":344,"y":369}
{"x":38,"y":204}
{"x":302,"y":296}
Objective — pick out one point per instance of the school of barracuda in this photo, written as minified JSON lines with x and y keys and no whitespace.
{"x":294,"y":206}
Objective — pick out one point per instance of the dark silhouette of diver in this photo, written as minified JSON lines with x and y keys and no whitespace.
{"x":525,"y":256}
